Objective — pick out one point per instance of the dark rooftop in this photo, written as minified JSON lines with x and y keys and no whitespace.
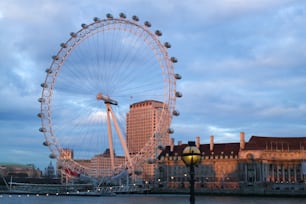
{"x":276,"y":143}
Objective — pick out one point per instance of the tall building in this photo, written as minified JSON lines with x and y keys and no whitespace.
{"x":142,"y":122}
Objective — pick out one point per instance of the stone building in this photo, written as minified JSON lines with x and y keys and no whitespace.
{"x":50,"y":171}
{"x":269,"y":162}
{"x":274,"y":159}
{"x":101,"y":166}
{"x":19,"y":171}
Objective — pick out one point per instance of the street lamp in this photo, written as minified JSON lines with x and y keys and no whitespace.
{"x":191,"y":157}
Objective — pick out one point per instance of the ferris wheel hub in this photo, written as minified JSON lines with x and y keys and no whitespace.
{"x":106,"y":99}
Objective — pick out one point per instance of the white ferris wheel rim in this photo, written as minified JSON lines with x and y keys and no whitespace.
{"x":86,"y":32}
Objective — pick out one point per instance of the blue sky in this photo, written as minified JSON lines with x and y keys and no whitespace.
{"x":243,"y":65}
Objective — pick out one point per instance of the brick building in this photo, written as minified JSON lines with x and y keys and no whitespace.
{"x":269,"y":162}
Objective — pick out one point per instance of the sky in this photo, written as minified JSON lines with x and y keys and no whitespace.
{"x":243,"y":65}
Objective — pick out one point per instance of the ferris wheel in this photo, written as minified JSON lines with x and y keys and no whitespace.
{"x":93,"y":80}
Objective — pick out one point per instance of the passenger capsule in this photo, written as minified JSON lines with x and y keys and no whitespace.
{"x":63,"y":45}
{"x":55,"y":57}
{"x":176,"y":113}
{"x":167,"y":45}
{"x":96,"y":19}
{"x":109,"y":16}
{"x":46,"y":143}
{"x":170,"y":130}
{"x":135,"y":18}
{"x":41,"y":100}
{"x":40,"y":115}
{"x":178,"y":94}
{"x":44,"y":85}
{"x":73,"y":34}
{"x":52,"y":156}
{"x":49,"y":70}
{"x":42,"y":129}
{"x":178,"y":76}
{"x":147,"y":23}
{"x":158,"y":33}
{"x":173,"y":59}
{"x":84,"y":25}
{"x":122,"y":15}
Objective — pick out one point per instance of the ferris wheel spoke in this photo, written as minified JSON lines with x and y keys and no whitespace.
{"x":126,"y":63}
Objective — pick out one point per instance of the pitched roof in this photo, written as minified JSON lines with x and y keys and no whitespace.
{"x":276,"y":143}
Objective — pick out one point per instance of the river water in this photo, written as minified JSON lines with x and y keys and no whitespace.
{"x":147,"y":199}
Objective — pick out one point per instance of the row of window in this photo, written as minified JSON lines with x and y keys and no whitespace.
{"x":177,"y":158}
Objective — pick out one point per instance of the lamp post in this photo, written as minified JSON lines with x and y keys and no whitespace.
{"x":191,"y":157}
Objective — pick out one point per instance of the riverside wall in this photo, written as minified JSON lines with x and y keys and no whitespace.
{"x":266,"y":189}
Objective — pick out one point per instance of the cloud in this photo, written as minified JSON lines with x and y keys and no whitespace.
{"x":242,"y":62}
{"x":95,"y":117}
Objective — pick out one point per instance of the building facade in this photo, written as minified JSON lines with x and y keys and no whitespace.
{"x":274,"y":159}
{"x":265,"y":163}
{"x":143,"y":121}
{"x":19,"y":171}
{"x":100,"y":164}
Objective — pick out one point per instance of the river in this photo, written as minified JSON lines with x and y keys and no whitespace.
{"x":147,"y":199}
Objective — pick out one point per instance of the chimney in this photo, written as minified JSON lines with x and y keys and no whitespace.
{"x":198,"y":142}
{"x":172,"y":145}
{"x":242,"y":141}
{"x":211,"y":143}
{"x":179,"y":143}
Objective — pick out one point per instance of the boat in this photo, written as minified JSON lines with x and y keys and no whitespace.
{"x":54,"y":189}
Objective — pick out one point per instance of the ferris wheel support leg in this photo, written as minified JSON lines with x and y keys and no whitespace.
{"x":110,"y":138}
{"x":123,"y":143}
